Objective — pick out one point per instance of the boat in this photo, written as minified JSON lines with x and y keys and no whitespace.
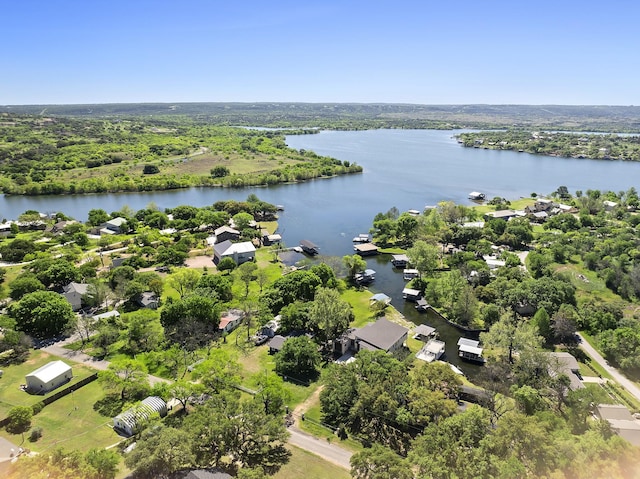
{"x":432,"y":351}
{"x":365,"y":277}
{"x":477,"y":196}
{"x":422,"y":305}
{"x":361,"y":238}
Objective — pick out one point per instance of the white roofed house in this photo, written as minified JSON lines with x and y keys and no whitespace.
{"x":114,"y":226}
{"x":239,"y":252}
{"x":48,"y":377}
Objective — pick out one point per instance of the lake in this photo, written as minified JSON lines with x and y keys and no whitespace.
{"x":407,"y":169}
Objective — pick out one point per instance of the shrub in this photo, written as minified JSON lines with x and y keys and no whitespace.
{"x":35,"y":434}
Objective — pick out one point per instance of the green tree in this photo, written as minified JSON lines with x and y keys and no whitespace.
{"x":378,"y":462}
{"x":354,"y":264}
{"x":97,"y":217}
{"x":424,"y":257}
{"x":245,"y":274}
{"x":104,"y":461}
{"x":184,"y":280}
{"x":329,"y":315}
{"x":19,"y":420}
{"x":242,"y":220}
{"x":24,"y":284}
{"x":299,"y":358}
{"x":124,"y":376}
{"x":227,"y":264}
{"x":542,"y":321}
{"x":160,"y":451}
{"x":43,"y":314}
{"x":511,"y":335}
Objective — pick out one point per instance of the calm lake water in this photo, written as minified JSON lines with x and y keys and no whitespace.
{"x":407,"y":169}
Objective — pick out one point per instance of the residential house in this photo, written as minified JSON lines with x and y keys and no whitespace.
{"x":621,"y":421}
{"x":238,"y":252}
{"x":226,"y":233}
{"x":383,"y":335}
{"x":231,"y":320}
{"x":564,"y":363}
{"x":114,"y":226}
{"x":502,"y":214}
{"x":73,"y":292}
{"x":149,"y":300}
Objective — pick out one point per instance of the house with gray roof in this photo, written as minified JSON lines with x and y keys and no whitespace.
{"x":73,"y":292}
{"x":383,"y":335}
{"x":621,"y":421}
{"x":238,"y":252}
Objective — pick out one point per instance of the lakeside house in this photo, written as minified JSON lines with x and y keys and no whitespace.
{"x":114,"y":226}
{"x":383,"y":335}
{"x":225,"y":233}
{"x":48,"y":377}
{"x":239,"y":252}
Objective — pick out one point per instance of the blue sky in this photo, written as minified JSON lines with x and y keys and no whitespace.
{"x":396,"y":51}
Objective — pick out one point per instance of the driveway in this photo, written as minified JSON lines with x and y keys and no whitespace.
{"x":615,"y":374}
{"x":320,"y":447}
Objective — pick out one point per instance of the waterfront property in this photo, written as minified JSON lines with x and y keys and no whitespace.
{"x":431,"y":351}
{"x":424,"y":332}
{"x":309,"y":247}
{"x":380,"y":298}
{"x":383,"y":335}
{"x":366,"y":249}
{"x":409,"y":274}
{"x":238,"y":252}
{"x":365,"y":277}
{"x":48,"y":377}
{"x":411,"y":294}
{"x":129,"y":422}
{"x":470,"y":350}
{"x":399,"y":260}
{"x":225,"y":233}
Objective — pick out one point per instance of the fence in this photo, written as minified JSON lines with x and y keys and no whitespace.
{"x":37,"y":407}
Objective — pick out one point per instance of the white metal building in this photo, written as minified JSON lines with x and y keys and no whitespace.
{"x":129,"y":421}
{"x":48,"y":377}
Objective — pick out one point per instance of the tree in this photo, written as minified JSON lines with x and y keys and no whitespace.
{"x":19,"y":420}
{"x":24,"y":284}
{"x":407,"y":228}
{"x":104,"y":461}
{"x":245,"y":274}
{"x":97,"y":217}
{"x":160,"y":451}
{"x":227,"y":264}
{"x":124,"y":376}
{"x":424,"y":257}
{"x":219,"y":372}
{"x":271,"y":392}
{"x":511,"y":335}
{"x":220,"y":171}
{"x":150,"y":169}
{"x":378,"y":462}
{"x":192,"y":322}
{"x":184,"y":280}
{"x":329,"y":315}
{"x":242,"y":220}
{"x":298,"y":358}
{"x":542,"y":321}
{"x":354,"y":264}
{"x":16,"y":250}
{"x":43,"y":314}
{"x":215,"y":285}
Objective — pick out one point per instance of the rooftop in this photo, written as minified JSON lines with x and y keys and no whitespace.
{"x":50,"y":371}
{"x":382,"y":334}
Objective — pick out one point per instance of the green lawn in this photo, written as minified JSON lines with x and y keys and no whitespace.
{"x":14,"y":375}
{"x":303,"y":464}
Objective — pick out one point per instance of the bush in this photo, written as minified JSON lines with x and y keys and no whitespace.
{"x":150,"y":169}
{"x":37,"y":407}
{"x":35,"y":434}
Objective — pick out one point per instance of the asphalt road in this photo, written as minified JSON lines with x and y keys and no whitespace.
{"x":320,"y":447}
{"x":615,"y":374}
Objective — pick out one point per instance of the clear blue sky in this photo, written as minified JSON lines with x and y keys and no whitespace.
{"x":395,"y":51}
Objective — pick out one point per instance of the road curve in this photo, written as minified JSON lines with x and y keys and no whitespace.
{"x":615,"y":374}
{"x":320,"y":447}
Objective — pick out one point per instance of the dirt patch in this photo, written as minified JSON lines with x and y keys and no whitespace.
{"x":200,"y":262}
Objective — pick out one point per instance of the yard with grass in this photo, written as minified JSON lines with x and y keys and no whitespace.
{"x":303,"y":464}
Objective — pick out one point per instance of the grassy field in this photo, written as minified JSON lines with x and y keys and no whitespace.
{"x":303,"y":464}
{"x":10,"y":393}
{"x":70,"y":422}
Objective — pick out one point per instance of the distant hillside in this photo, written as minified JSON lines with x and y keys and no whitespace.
{"x":356,"y":115}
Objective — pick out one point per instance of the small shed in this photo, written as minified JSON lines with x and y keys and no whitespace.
{"x":276,"y":343}
{"x":129,"y":421}
{"x":48,"y":377}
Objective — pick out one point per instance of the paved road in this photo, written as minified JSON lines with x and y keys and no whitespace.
{"x":320,"y":447}
{"x":58,"y":349}
{"x":619,"y":378}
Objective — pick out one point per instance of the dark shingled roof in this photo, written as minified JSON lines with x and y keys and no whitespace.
{"x":382,"y":334}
